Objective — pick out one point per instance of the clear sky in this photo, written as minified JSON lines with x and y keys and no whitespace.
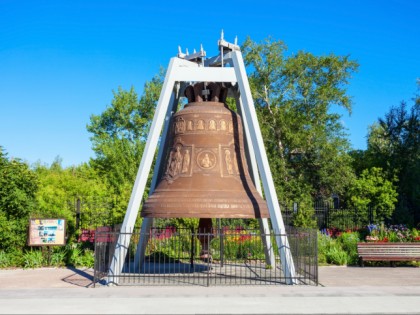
{"x":61,"y":60}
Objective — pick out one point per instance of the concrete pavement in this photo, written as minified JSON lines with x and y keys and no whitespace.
{"x":342,"y":290}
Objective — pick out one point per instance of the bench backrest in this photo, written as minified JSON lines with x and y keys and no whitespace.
{"x":389,"y":249}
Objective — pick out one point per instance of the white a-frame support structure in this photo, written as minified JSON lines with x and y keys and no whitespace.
{"x":180,"y":71}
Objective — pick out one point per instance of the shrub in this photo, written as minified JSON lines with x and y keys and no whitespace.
{"x":324,"y":243}
{"x":33,"y":259}
{"x":78,"y":256}
{"x":341,"y":250}
{"x":336,"y":255}
{"x":4,"y":260}
{"x":348,"y":242}
{"x":87,"y":259}
{"x":58,"y":257}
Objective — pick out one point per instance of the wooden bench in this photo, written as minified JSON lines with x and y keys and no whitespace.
{"x":391,"y":252}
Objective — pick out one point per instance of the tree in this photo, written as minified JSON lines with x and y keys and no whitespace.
{"x":373,"y":191}
{"x":394,"y":145}
{"x":59,"y":188}
{"x":18,"y":185}
{"x":119,"y":135}
{"x":294,"y":98}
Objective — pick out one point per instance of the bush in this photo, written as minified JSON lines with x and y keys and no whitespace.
{"x":58,"y":257}
{"x":239,"y":244}
{"x":336,"y":255}
{"x":79,"y":257}
{"x":88,"y":258}
{"x":324,"y":243}
{"x":4,"y":260}
{"x":348,"y":242}
{"x":33,"y":259}
{"x":341,"y":250}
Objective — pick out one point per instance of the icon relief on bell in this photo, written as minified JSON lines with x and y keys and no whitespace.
{"x":206,"y":160}
{"x":200,"y":125}
{"x":223,"y":125}
{"x":228,"y":160}
{"x":186,"y":162}
{"x":179,"y":126}
{"x":175,"y":163}
{"x":190,"y":125}
{"x":212,"y":125}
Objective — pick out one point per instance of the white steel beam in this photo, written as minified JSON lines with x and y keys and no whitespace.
{"x":205,"y":74}
{"x":123,"y":242}
{"x":263,"y":222}
{"x":147,"y":222}
{"x":261,"y":156}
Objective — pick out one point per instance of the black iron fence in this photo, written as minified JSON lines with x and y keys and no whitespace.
{"x":233,"y":257}
{"x":327,"y":215}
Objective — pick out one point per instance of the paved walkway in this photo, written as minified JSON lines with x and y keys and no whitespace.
{"x":342,"y":290}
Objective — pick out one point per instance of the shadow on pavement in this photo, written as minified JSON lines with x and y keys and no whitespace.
{"x":81,"y":278}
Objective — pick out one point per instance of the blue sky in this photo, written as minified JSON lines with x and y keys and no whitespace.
{"x":61,"y":60}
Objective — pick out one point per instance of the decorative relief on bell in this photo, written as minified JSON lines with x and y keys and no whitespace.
{"x":178,"y":164}
{"x":228,"y":161}
{"x":206,"y":160}
{"x":190,"y":125}
{"x":212,"y":125}
{"x":179,"y":126}
{"x":200,"y":124}
{"x":186,"y":161}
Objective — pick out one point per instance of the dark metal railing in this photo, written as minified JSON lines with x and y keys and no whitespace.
{"x":328,"y":216}
{"x":235,"y":257}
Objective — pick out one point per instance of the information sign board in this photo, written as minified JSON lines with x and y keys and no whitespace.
{"x":47,"y":232}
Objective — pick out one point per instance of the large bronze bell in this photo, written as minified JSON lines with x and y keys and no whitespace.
{"x":205,"y":173}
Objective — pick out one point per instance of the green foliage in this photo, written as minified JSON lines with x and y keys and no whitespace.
{"x":74,"y":253}
{"x":305,"y":216}
{"x":18,"y":185}
{"x":58,"y":257}
{"x":238,"y":245}
{"x":336,"y":256}
{"x":118,"y":138}
{"x":4,"y":259}
{"x":120,"y":132}
{"x":338,"y":251}
{"x":294,"y":98}
{"x":372,"y":189}
{"x":394,"y":146}
{"x":33,"y":258}
{"x":330,"y":251}
{"x":323,"y":244}
{"x":78,"y":256}
{"x":88,"y":258}
{"x":348,"y":242}
{"x":59,"y":189}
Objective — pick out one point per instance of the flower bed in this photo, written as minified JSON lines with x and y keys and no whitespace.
{"x":392,"y":234}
